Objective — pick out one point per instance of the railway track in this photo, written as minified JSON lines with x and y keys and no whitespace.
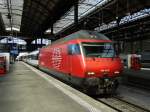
{"x":121,"y":105}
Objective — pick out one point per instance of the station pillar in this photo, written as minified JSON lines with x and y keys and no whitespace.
{"x":28,"y":45}
{"x":76,"y":14}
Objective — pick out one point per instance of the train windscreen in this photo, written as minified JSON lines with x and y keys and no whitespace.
{"x":101,"y":50}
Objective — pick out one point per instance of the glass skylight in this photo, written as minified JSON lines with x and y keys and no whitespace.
{"x":13,"y":28}
{"x":17,"y":7}
{"x":84,"y":7}
{"x":87,"y":6}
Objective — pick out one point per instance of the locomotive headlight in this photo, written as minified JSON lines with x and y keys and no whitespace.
{"x":102,"y":70}
{"x":116,"y":72}
{"x":90,"y":73}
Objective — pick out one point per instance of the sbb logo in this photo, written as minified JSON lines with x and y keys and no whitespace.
{"x":56,"y":58}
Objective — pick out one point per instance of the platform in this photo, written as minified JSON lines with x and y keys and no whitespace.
{"x":26,"y":89}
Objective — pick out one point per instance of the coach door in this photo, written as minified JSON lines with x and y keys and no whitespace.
{"x":73,"y":58}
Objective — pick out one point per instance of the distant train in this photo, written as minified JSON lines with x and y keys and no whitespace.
{"x":2,"y":65}
{"x":32,"y":58}
{"x":86,"y":59}
{"x":144,"y":59}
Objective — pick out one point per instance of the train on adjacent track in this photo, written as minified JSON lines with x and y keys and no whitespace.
{"x":2,"y":65}
{"x":85,"y":58}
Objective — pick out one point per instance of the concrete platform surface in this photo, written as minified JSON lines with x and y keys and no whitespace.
{"x":26,"y":89}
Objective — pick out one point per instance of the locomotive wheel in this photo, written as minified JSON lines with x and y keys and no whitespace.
{"x":111,"y":89}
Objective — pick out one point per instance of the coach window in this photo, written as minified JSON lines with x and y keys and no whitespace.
{"x":37,"y":56}
{"x":73,"y":49}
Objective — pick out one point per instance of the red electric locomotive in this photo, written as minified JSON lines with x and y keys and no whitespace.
{"x":86,"y":59}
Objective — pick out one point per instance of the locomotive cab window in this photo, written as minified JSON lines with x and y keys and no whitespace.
{"x":102,"y":50}
{"x":73,"y":49}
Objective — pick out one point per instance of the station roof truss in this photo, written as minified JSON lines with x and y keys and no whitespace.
{"x":104,"y":12}
{"x":127,"y":19}
{"x":11,"y":12}
{"x":84,"y":7}
{"x":37,"y":17}
{"x":132,"y":29}
{"x":31,"y":17}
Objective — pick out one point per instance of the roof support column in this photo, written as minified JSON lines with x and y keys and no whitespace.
{"x":41,"y":41}
{"x":51,"y":36}
{"x":28,"y":45}
{"x":52,"y":29}
{"x":131,"y":44}
{"x":118,"y":42}
{"x":36,"y":43}
{"x":141,"y":45}
{"x":76,"y":14}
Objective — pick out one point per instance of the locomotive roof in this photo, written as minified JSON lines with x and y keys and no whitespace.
{"x":82,"y":34}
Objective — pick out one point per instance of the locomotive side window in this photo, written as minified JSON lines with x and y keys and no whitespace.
{"x":33,"y":57}
{"x":73,"y":49}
